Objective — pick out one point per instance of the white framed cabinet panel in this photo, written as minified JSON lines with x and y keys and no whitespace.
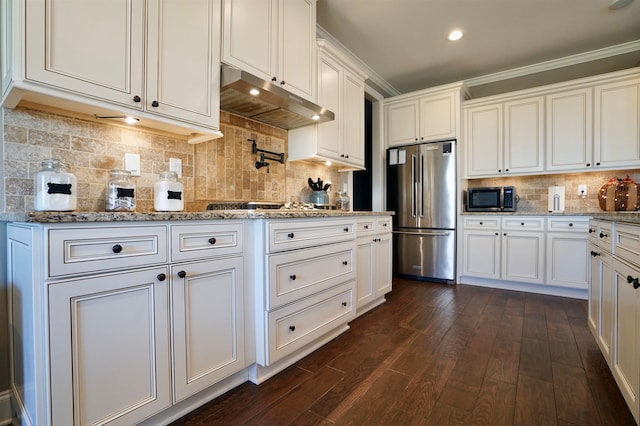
{"x":524,"y":135}
{"x":567,"y":252}
{"x":523,"y":256}
{"x":438,"y":117}
{"x":617,"y":124}
{"x":374,"y":256}
{"x":569,"y":134}
{"x":484,"y":132}
{"x":402,"y":122}
{"x":208,"y":323}
{"x":107,"y":367}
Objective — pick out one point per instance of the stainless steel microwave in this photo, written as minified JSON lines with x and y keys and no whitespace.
{"x":491,"y":199}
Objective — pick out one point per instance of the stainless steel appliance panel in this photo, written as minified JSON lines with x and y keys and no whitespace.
{"x":406,"y":192}
{"x":426,"y":254}
{"x":437,"y":186}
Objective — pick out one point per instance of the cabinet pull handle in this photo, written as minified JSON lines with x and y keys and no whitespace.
{"x":480,"y":223}
{"x":384,"y":224}
{"x":292,"y":277}
{"x":497,"y":233}
{"x":346,"y":229}
{"x":506,"y":170}
{"x":212,"y":240}
{"x":597,"y":164}
{"x":117,"y":248}
{"x":366,"y":227}
{"x":292,"y":327}
{"x":344,"y":303}
{"x":591,"y":231}
{"x":290,"y":235}
{"x":594,"y":253}
{"x":345,"y":263}
{"x":602,"y":235}
{"x":161,"y":277}
{"x":505,"y":234}
{"x":636,"y":284}
{"x":629,"y":279}
{"x":588,"y":164}
{"x":182,"y":274}
{"x":499,"y":170}
{"x":136,"y":99}
{"x":570,"y":224}
{"x":521,"y":223}
{"x":274,"y":79}
{"x":155,"y":104}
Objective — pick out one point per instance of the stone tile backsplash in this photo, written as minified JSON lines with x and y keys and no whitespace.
{"x":219,"y":170}
{"x":533,"y":190}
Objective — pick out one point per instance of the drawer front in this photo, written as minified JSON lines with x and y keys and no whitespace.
{"x":593,"y":231}
{"x":626,"y":240}
{"x":365,"y":227}
{"x":492,"y":222}
{"x":205,"y":240}
{"x":605,"y":236}
{"x":568,"y":224}
{"x":523,"y":223}
{"x":89,"y":250}
{"x":383,"y":224}
{"x":298,"y":233}
{"x":301,"y":273}
{"x":294,"y":326}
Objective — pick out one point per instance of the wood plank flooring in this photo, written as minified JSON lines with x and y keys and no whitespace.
{"x":441,"y":355}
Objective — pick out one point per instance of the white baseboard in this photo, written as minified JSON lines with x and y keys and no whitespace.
{"x":5,"y":408}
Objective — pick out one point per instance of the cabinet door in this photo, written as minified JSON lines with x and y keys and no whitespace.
{"x":353,"y":120}
{"x":296,"y":47}
{"x":569,"y":130}
{"x":249,"y":39}
{"x":109,"y":348}
{"x":384,"y":248}
{"x":567,"y":260}
{"x":365,"y":274}
{"x":438,"y":117}
{"x":595,"y":290}
{"x":626,"y":351}
{"x":92,"y":48}
{"x":6,"y":49}
{"x":482,"y":254}
{"x":616,"y":126}
{"x":183,"y":76}
{"x":484,"y":140}
{"x":605,"y":331}
{"x":523,"y":256}
{"x":523,"y":135}
{"x":208,"y":326}
{"x":330,"y":96}
{"x":402,"y":123}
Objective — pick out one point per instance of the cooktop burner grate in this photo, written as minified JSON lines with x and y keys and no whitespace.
{"x":244,"y":205}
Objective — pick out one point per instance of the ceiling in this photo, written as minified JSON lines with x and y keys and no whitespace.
{"x":405,"y":47}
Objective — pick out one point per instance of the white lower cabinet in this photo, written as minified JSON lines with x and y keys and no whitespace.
{"x":109,"y":348}
{"x":374,"y":256}
{"x":600,"y":317}
{"x":108,"y":326}
{"x":511,"y":251}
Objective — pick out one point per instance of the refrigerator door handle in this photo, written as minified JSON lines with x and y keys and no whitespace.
{"x":426,"y":234}
{"x":421,"y":187}
{"x":414,"y":207}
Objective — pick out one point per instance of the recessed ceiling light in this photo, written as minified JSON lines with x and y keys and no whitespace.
{"x":455,"y":35}
{"x":619,"y":4}
{"x":254,"y":92}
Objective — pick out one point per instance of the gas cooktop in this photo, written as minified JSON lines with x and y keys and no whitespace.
{"x":266,"y":205}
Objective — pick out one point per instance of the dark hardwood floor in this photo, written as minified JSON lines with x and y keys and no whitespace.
{"x":439,"y":355}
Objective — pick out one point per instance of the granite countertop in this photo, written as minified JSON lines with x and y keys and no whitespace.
{"x":70,"y":217}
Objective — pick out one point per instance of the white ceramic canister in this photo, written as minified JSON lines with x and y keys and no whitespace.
{"x":168,"y":193}
{"x":55,"y":188}
{"x":121,"y":196}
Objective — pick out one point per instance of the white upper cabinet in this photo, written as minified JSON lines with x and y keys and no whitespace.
{"x":273,"y":40}
{"x":505,"y":138}
{"x":341,"y":90}
{"x":5,"y":49}
{"x":616,"y":126}
{"x":569,"y":136}
{"x":423,"y":117}
{"x":156,"y":60}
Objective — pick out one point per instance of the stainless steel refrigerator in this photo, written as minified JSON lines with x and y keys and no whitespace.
{"x":421,"y":189}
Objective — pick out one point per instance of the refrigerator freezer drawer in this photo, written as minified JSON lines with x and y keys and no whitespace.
{"x":427,"y":254}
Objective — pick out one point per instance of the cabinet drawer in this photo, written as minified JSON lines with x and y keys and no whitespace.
{"x":383,"y":224}
{"x":567,"y":224}
{"x":482,"y":222}
{"x":90,"y":250}
{"x":604,"y":236}
{"x":294,"y":326}
{"x":205,"y":240}
{"x":593,"y":231}
{"x":301,"y":273}
{"x":523,"y":223}
{"x":626,"y":241}
{"x":366,"y":227}
{"x":288,"y":235}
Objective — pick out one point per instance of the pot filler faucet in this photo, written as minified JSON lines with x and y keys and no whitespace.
{"x":276,"y":156}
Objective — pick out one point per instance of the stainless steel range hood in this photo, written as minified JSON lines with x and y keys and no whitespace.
{"x":273,"y":105}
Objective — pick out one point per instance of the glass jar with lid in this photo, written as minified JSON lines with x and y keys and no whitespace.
{"x":55,"y":187}
{"x":167,"y":193}
{"x":343,"y":202}
{"x":121,"y":196}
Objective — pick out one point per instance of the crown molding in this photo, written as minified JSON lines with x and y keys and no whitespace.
{"x":566,"y":61}
{"x":374,"y":77}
